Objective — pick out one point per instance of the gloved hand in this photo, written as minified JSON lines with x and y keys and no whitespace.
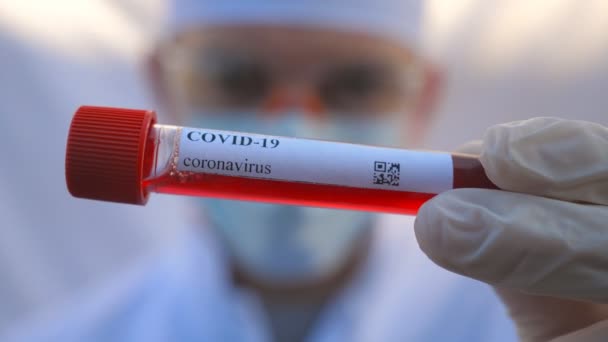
{"x":543,"y":243}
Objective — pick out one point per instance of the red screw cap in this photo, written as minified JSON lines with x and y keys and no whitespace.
{"x":105,"y":154}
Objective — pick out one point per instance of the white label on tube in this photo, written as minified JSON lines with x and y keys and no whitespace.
{"x":313,"y":161}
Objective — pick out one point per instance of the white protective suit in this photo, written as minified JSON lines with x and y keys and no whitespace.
{"x":184,"y":295}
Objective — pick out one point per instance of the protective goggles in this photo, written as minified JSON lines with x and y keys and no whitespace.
{"x":229,"y":79}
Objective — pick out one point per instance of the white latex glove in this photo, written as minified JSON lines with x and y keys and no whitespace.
{"x":544,"y":243}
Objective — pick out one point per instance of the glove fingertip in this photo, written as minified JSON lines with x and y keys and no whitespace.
{"x":439,"y":226}
{"x":424,"y":228}
{"x":452,"y":230}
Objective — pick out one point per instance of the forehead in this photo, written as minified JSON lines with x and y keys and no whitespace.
{"x":287,"y":44}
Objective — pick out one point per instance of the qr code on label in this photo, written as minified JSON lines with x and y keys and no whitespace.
{"x":386,"y":173}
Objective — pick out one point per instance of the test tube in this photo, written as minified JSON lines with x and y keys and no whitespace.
{"x":123,"y":155}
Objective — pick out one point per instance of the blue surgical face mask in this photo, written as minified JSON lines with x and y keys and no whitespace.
{"x":289,"y":244}
{"x":286,"y":244}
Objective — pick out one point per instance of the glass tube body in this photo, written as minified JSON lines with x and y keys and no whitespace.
{"x":164,"y":172}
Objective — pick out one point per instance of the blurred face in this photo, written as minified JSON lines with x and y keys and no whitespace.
{"x":294,"y":82}
{"x":268,"y":71}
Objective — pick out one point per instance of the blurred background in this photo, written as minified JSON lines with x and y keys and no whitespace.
{"x":503,"y":61}
{"x":54,"y":57}
{"x":512,"y":59}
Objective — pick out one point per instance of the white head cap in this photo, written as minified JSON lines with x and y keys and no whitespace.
{"x":399,"y":20}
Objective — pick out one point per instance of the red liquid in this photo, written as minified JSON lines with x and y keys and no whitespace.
{"x":468,"y":173}
{"x":282,"y":192}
